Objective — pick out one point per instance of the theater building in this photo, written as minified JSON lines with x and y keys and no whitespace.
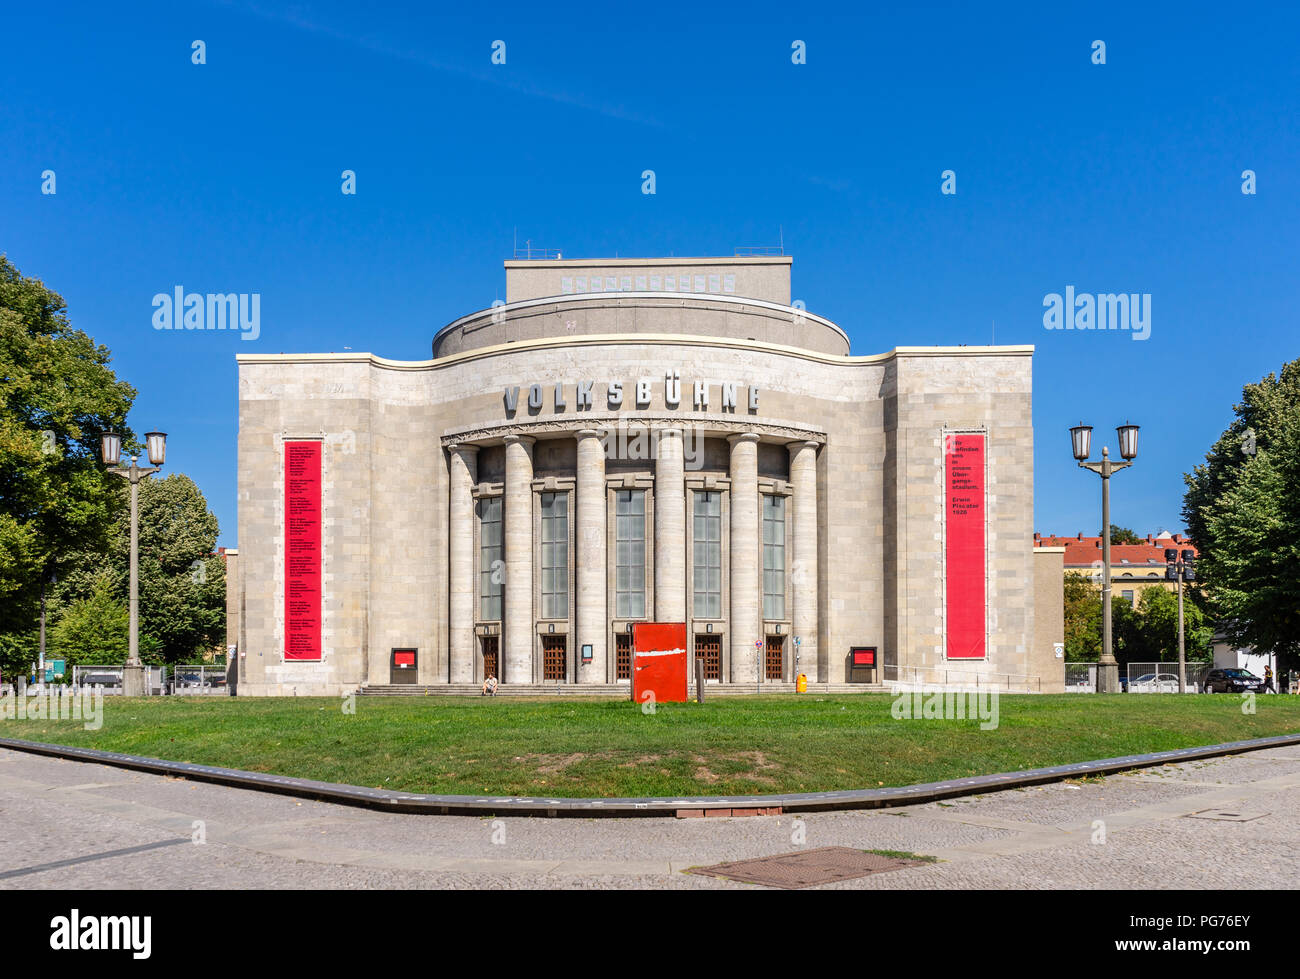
{"x":631,"y":440}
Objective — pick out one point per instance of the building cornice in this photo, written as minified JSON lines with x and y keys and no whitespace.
{"x":565,"y":263}
{"x":678,"y":299}
{"x":721,"y":424}
{"x":625,"y":339}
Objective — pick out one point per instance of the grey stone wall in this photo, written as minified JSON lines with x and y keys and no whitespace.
{"x":879,"y":422}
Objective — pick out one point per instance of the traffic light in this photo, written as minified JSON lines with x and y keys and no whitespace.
{"x":1189,"y":566}
{"x":1171,"y":564}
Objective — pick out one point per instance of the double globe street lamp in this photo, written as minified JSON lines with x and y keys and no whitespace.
{"x":133,"y":684}
{"x":1081,"y":442}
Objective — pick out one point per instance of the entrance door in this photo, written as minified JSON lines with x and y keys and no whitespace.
{"x":622,"y":656}
{"x":404,"y":666}
{"x":708,"y":649}
{"x":489,"y":646}
{"x":553,"y":656}
{"x":774,"y":665}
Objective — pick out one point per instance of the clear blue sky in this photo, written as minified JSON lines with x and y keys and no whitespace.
{"x":1123,"y":177}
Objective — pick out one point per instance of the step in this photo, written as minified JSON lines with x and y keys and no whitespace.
{"x":621,"y":691}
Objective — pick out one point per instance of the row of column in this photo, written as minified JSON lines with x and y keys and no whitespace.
{"x":744,"y":624}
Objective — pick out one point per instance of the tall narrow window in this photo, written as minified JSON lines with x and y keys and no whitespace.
{"x":629,"y":554}
{"x":773,"y":557}
{"x":708,"y":555}
{"x":555,"y":555}
{"x":491,"y":559}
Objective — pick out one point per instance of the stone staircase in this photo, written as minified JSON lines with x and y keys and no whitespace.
{"x":619,"y":691}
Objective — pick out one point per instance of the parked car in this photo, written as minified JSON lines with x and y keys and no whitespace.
{"x":1232,"y":681}
{"x":1153,"y":683}
{"x":101,"y":680}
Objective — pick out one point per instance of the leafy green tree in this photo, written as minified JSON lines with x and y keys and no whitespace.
{"x":57,"y":395}
{"x":1082,"y":619}
{"x":92,"y":630}
{"x":1123,"y":535}
{"x":182,"y":582}
{"x":1126,"y":631}
{"x":1158,"y":612}
{"x":1243,"y":511}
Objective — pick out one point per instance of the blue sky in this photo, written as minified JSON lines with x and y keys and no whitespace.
{"x":1122,"y":177}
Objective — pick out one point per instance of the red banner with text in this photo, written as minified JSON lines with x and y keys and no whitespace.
{"x":964,"y":545}
{"x":302,"y":550}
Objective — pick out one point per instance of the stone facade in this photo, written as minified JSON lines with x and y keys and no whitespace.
{"x":748,"y":406}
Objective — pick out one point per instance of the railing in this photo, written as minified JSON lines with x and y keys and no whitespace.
{"x":110,"y":678}
{"x":1080,"y":677}
{"x":750,"y":251}
{"x":947,"y":676}
{"x":1163,"y":677}
{"x":537,"y":254}
{"x":199,"y":680}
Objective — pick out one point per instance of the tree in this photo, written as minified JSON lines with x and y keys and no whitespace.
{"x":57,"y":396}
{"x":1123,"y":535}
{"x":1242,"y":510}
{"x":1082,"y":619}
{"x":182,"y":582}
{"x":1126,"y":632}
{"x":93,"y":630}
{"x":1158,"y":611}
{"x":1146,"y":634}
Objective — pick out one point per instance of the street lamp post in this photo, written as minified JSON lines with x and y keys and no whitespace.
{"x":1081,"y":442}
{"x":133,"y":684}
{"x":1180,"y":568}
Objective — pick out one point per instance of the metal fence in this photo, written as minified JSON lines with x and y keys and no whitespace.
{"x":110,"y":678}
{"x":192,"y":681}
{"x":947,"y":676}
{"x":1080,"y":677}
{"x":1163,"y":677}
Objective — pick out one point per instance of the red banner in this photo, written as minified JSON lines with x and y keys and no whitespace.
{"x":964,"y":544}
{"x":302,"y":551}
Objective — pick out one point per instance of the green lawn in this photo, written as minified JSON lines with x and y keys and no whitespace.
{"x":588,"y":747}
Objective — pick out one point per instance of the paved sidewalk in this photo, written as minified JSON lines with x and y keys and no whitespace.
{"x":116,"y":828}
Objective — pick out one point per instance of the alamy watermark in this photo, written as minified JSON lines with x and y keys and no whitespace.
{"x":936,"y":702}
{"x":55,"y":703}
{"x":1104,"y":311}
{"x":181,"y":310}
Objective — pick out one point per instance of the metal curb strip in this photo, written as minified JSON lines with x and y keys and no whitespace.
{"x":471,"y":805}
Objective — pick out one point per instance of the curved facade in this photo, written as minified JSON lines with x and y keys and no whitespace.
{"x":605,"y":449}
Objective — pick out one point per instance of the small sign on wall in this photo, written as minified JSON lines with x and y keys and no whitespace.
{"x":862,"y":657}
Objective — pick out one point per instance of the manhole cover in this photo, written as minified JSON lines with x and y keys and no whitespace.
{"x":1227,"y":815}
{"x":806,"y":868}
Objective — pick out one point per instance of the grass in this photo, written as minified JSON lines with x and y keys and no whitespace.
{"x":904,"y":855}
{"x":590,"y":747}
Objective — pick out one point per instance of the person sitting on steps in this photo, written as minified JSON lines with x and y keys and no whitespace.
{"x":489,"y":686}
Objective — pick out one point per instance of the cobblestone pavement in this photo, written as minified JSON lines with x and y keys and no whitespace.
{"x":1124,"y":831}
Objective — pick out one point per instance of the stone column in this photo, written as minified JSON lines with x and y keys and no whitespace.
{"x":745,"y":624}
{"x":670,"y":529}
{"x":803,"y":569}
{"x":460,"y":562}
{"x":519,"y":624}
{"x":589,"y":548}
